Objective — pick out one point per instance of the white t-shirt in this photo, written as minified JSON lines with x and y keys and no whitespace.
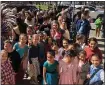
{"x":29,"y":22}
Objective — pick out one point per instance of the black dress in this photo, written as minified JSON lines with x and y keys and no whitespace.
{"x":15,"y":60}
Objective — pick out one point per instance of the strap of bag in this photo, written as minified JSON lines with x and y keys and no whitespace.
{"x":94,"y":73}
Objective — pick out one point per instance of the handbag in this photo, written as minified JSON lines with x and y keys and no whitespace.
{"x":87,"y":81}
{"x":97,"y":83}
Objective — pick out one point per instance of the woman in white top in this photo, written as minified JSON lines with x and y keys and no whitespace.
{"x":29,"y":19}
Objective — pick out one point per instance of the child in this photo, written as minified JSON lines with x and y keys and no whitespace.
{"x":15,"y":61}
{"x":42,"y":54}
{"x":64,"y":48}
{"x":71,"y":46}
{"x":29,"y":30}
{"x":7,"y":74}
{"x":57,"y":54}
{"x":22,"y":48}
{"x":49,"y":43}
{"x":50,"y":69}
{"x":28,"y":66}
{"x":98,"y":24}
{"x":67,"y":69}
{"x":44,"y":36}
{"x":29,"y":40}
{"x":80,"y":42}
{"x":83,"y":67}
{"x":33,"y":59}
{"x":98,"y":77}
{"x":92,"y":49}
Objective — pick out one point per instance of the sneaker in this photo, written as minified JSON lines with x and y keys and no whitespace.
{"x":24,"y":78}
{"x":25,"y":75}
{"x":28,"y":78}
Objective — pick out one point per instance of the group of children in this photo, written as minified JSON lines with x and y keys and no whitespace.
{"x":40,"y":46}
{"x":72,"y":63}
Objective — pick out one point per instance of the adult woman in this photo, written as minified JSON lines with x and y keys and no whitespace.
{"x":56,"y":32}
{"x":29,"y":20}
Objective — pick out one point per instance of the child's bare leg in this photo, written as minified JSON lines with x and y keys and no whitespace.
{"x":98,"y":33}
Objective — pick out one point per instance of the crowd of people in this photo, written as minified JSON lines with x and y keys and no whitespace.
{"x":39,"y":47}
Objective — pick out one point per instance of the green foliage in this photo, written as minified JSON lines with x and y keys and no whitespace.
{"x":44,"y":7}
